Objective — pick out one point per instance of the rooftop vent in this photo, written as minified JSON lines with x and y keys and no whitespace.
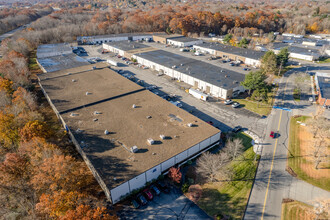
{"x":162,"y":136}
{"x":181,"y":64}
{"x":97,"y":113}
{"x":226,"y":76}
{"x":114,"y":178}
{"x":148,"y":117}
{"x":190,"y":124}
{"x":94,"y":67}
{"x":133,"y":106}
{"x":74,"y":80}
{"x":221,"y":70}
{"x":95,"y":119}
{"x":74,"y":114}
{"x":106,"y":132}
{"x":88,"y":93}
{"x":153,"y":153}
{"x":69,"y":73}
{"x":173,"y":67}
{"x":134,"y":149}
{"x":150,"y":141}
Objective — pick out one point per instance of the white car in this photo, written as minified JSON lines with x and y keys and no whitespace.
{"x":235,"y":105}
{"x":228,"y":102}
{"x":177,"y":103}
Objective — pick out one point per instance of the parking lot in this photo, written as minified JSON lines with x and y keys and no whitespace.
{"x":223,"y":116}
{"x":165,"y":206}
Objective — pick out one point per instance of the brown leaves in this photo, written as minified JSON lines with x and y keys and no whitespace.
{"x":15,"y":168}
{"x":34,"y":129}
{"x":175,"y":175}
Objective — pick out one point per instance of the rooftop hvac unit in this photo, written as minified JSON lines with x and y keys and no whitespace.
{"x":133,"y":106}
{"x":173,"y":67}
{"x":106,"y":132}
{"x":94,"y":67}
{"x":181,"y":64}
{"x":88,"y":93}
{"x":74,"y":80}
{"x":95,"y":119}
{"x":151,"y":141}
{"x":134,"y":149}
{"x":69,"y":73}
{"x":148,"y":117}
{"x":97,"y":113}
{"x":190,"y":124}
{"x":162,"y":136}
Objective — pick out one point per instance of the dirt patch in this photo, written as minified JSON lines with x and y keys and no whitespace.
{"x":306,"y":144}
{"x":194,"y":193}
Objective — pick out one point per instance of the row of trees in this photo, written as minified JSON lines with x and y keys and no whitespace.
{"x":39,"y":177}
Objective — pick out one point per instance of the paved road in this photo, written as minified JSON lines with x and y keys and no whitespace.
{"x":11,"y":33}
{"x":272,"y":182}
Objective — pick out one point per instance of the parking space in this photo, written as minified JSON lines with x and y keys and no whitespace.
{"x":225,"y":117}
{"x":173,"y":205}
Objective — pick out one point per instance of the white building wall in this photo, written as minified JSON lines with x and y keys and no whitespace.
{"x":143,"y":37}
{"x":167,"y":164}
{"x":204,"y":143}
{"x":181,"y":157}
{"x":191,"y":43}
{"x":301,"y":56}
{"x":153,"y":173}
{"x":239,"y":88}
{"x":215,"y":137}
{"x":119,"y":191}
{"x":137,"y":182}
{"x":252,"y":62}
{"x":193,"y":150}
{"x":204,"y":50}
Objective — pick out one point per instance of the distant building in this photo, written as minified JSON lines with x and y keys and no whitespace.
{"x":247,"y":56}
{"x":165,"y":37}
{"x":100,"y":39}
{"x":50,"y":50}
{"x":127,"y":135}
{"x":323,"y":88}
{"x":184,"y":41}
{"x":298,"y":51}
{"x":126,"y":48}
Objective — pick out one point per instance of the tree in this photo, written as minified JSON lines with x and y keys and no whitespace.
{"x":243,"y":43}
{"x":269,"y":63}
{"x":175,"y":175}
{"x":34,"y":129}
{"x":260,"y":95}
{"x":282,"y":57}
{"x":86,"y":212}
{"x":209,"y":165}
{"x":227,"y":38}
{"x":234,"y":147}
{"x":254,"y":80}
{"x":9,"y":137}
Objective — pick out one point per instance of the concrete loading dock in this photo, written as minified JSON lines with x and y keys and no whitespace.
{"x":132,"y":116}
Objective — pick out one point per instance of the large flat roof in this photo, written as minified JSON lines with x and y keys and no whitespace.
{"x":127,"y":45}
{"x":64,"y":61}
{"x":120,"y":35}
{"x":253,"y":54}
{"x":300,"y":49}
{"x":184,"y":39}
{"x":169,"y":36}
{"x":46,"y":50}
{"x":113,"y":96}
{"x":323,"y":79}
{"x":224,"y":78}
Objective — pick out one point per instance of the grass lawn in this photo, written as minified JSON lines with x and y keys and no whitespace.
{"x":259,"y":108}
{"x":296,"y":162}
{"x":324,"y":60}
{"x":230,"y":197}
{"x":298,"y":210}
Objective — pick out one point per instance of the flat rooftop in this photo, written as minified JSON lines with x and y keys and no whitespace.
{"x":323,"y":79}
{"x":212,"y":74}
{"x":46,"y":50}
{"x":253,"y":54}
{"x":300,"y":49}
{"x":113,"y":96}
{"x":64,"y":61}
{"x":170,"y":36}
{"x":127,"y":45}
{"x":120,"y":35}
{"x":184,"y":39}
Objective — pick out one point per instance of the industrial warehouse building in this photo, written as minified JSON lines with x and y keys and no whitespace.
{"x":211,"y":79}
{"x":184,"y":41}
{"x":54,"y":57}
{"x":165,"y":37}
{"x":247,"y":56}
{"x":126,"y":48}
{"x":100,"y":39}
{"x":127,"y":135}
{"x":299,"y":51}
{"x":322,"y":80}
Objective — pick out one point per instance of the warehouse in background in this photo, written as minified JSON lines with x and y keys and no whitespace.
{"x":127,"y":135}
{"x":165,"y":37}
{"x":184,"y":41}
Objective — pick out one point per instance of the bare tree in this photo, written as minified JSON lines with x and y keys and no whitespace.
{"x":209,"y":165}
{"x":321,"y":208}
{"x":234,"y":147}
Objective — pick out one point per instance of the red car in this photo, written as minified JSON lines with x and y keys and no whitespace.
{"x":272,"y":134}
{"x":148,"y":194}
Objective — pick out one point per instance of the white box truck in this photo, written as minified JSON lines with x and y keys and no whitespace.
{"x":112,"y":62}
{"x":198,"y":94}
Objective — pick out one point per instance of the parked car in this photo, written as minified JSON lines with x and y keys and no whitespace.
{"x":148,"y":194}
{"x":155,"y":190}
{"x":224,"y":61}
{"x":235,"y":105}
{"x":142,"y":200}
{"x":163,"y":187}
{"x":151,"y":87}
{"x":135,"y":204}
{"x":210,"y":122}
{"x":272,"y":134}
{"x":231,"y":64}
{"x":228,"y":101}
{"x":246,"y":69}
{"x":237,"y":129}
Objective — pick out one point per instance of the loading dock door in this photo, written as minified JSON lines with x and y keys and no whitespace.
{"x":208,"y":89}
{"x":196,"y":84}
